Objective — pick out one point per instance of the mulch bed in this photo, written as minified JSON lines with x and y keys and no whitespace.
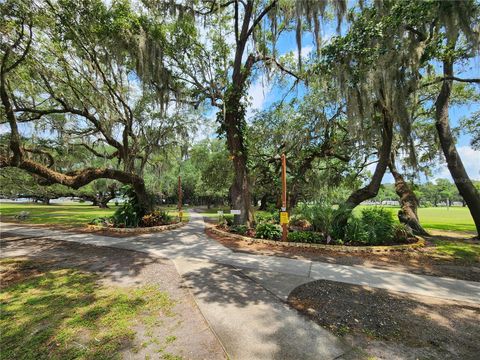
{"x":392,"y":325}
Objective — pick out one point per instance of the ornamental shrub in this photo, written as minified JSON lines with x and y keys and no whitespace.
{"x":155,"y":218}
{"x":239,"y":229}
{"x":129,"y":213}
{"x":305,"y":237}
{"x":379,"y":224}
{"x":268,"y":231}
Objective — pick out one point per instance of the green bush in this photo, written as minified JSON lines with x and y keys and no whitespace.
{"x":239,"y":229}
{"x":268,"y":231}
{"x":375,"y":226}
{"x":305,"y":237}
{"x":323,"y":217}
{"x":264,"y":217}
{"x":378,"y":223}
{"x":402,"y":233}
{"x":355,"y":231}
{"x":130,"y":212}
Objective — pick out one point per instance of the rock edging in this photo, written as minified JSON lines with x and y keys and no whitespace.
{"x":144,"y":230}
{"x":340,"y":248}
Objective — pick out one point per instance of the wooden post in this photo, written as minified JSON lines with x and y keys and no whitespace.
{"x":180,"y":198}
{"x":284,"y":199}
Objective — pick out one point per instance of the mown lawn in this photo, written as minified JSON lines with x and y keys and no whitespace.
{"x":67,"y":314}
{"x":457,"y":249}
{"x":63,"y":214}
{"x":440,"y":218}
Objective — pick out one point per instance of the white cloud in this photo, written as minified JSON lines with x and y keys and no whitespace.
{"x":306,"y":50}
{"x":257,"y":93}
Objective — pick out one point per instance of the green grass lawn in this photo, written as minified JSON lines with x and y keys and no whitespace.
{"x":440,"y":218}
{"x":66,"y":314}
{"x":457,"y":249}
{"x":70,"y":214}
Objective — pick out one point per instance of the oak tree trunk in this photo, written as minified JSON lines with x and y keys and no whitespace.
{"x":240,"y":190}
{"x":455,"y":165}
{"x":408,"y":200}
{"x":371,"y":190}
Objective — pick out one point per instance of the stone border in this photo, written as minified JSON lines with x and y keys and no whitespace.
{"x":340,"y":248}
{"x":139,"y":230}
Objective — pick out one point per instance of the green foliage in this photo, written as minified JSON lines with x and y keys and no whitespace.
{"x":355,"y":231}
{"x":129,"y":213}
{"x":401,"y":233}
{"x":375,"y":226}
{"x":155,"y":218}
{"x":378,"y":223}
{"x":305,"y":237}
{"x":268,"y":231}
{"x":265,"y":217}
{"x":322,"y":216}
{"x":239,"y":229}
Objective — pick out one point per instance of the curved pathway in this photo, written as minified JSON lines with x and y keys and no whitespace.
{"x":242,"y":295}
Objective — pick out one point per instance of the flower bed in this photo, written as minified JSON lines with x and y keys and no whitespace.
{"x":342,"y":248}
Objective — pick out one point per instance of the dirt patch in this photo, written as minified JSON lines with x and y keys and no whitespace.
{"x":413,"y":261}
{"x":186,"y":334}
{"x":392,"y":325}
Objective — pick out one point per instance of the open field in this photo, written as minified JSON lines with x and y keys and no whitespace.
{"x":73,"y":214}
{"x":440,"y":218}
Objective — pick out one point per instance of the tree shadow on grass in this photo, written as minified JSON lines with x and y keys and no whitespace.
{"x":64,"y":313}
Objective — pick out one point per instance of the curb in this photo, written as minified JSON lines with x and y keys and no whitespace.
{"x":145,"y":230}
{"x":339,"y":248}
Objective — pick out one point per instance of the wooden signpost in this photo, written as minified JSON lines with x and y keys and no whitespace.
{"x":180,"y":213}
{"x":284,"y":213}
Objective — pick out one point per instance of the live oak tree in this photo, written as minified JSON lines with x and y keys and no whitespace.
{"x":458,"y":24}
{"x":380,"y":65}
{"x":240,"y":36}
{"x":60,"y":73}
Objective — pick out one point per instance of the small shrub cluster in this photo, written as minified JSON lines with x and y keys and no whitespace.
{"x":374,"y":226}
{"x":319,"y":224}
{"x":309,"y":237}
{"x":155,"y":218}
{"x":268,"y":231}
{"x":239,"y":229}
{"x":323,"y":217}
{"x":129,"y":213}
{"x":267,"y":217}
